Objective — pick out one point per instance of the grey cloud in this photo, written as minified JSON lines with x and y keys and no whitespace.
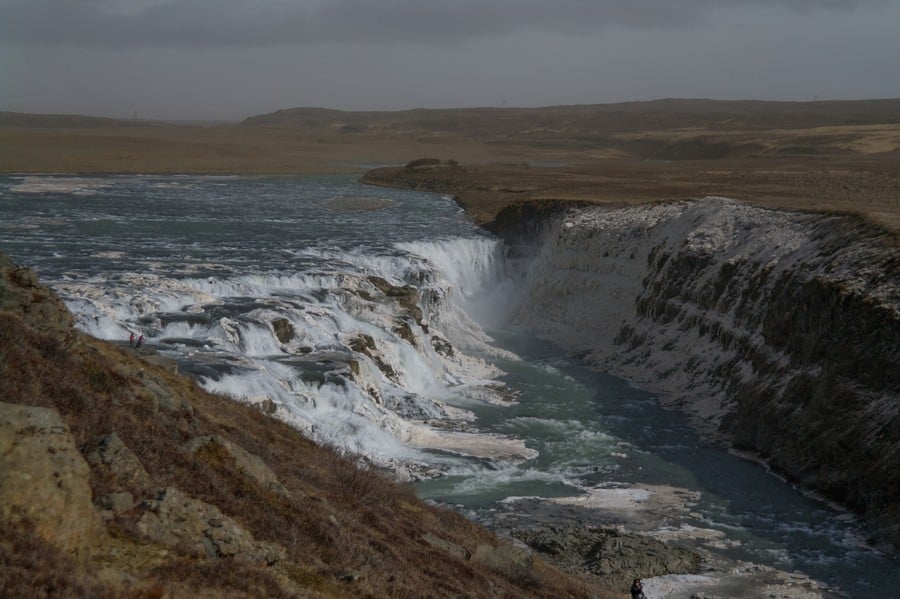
{"x":199,"y":23}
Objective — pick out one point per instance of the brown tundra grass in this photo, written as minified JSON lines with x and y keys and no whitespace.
{"x":347,"y":529}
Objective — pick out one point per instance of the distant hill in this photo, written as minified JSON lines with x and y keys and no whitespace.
{"x":494,"y":121}
{"x":67,"y":121}
{"x":596,"y":118}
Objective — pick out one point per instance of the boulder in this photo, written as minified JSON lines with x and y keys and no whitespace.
{"x":117,"y":503}
{"x":177,"y":520}
{"x":110,"y":456}
{"x":44,"y":479}
{"x":283,"y":330}
{"x":161,"y":397}
{"x":249,"y":464}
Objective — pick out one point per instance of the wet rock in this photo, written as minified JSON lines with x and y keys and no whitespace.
{"x":442,"y":346}
{"x":405,"y":332}
{"x":44,"y":478}
{"x":618,"y":555}
{"x":365,"y":344}
{"x":284,"y":330}
{"x":267,"y":406}
{"x":406,"y":296}
{"x":362,"y":344}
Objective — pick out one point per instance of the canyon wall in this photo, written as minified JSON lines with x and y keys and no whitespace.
{"x":777,"y":332}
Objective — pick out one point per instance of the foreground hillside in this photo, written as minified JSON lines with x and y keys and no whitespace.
{"x":118,"y":477}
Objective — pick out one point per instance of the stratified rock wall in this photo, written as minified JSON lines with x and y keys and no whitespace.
{"x":777,"y":332}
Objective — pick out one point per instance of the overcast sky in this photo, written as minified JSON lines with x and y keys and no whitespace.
{"x":228,"y":59}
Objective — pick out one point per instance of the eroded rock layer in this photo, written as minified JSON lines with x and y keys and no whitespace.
{"x":778,"y":332}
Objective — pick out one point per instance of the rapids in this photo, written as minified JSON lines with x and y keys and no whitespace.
{"x":377,"y":320}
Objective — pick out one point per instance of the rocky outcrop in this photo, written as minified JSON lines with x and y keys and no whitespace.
{"x":44,"y":480}
{"x":406,"y":296}
{"x":21,"y":293}
{"x":52,"y":491}
{"x":216,"y":447}
{"x":174,"y":519}
{"x":610,"y":553}
{"x":111,"y":458}
{"x":777,"y":332}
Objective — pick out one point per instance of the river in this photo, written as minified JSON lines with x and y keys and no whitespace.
{"x":398,"y":349}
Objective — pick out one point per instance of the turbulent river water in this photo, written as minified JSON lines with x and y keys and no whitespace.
{"x":373,"y":319}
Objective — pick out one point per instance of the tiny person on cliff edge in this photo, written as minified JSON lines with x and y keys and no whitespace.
{"x":637,"y":589}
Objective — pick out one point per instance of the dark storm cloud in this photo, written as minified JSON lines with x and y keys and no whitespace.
{"x":199,"y":23}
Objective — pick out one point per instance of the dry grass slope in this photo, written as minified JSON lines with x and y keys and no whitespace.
{"x":342,"y":527}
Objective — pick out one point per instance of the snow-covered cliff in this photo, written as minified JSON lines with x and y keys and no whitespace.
{"x":778,"y":332}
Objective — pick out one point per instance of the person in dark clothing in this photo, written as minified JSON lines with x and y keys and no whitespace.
{"x":637,"y":589}
{"x":140,"y":341}
{"x":131,"y":340}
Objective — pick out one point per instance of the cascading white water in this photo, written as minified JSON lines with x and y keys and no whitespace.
{"x":370,"y":397}
{"x":366,"y":329}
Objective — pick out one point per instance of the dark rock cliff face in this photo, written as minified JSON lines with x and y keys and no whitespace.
{"x":777,"y":332}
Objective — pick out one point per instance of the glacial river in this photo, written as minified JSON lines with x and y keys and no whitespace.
{"x":204,"y":267}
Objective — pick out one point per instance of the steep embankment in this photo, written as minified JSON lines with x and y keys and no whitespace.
{"x":119,"y":477}
{"x":778,"y":332}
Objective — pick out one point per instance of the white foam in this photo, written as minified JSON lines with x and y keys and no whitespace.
{"x":378,"y":405}
{"x":79,"y":186}
{"x":473,"y":274}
